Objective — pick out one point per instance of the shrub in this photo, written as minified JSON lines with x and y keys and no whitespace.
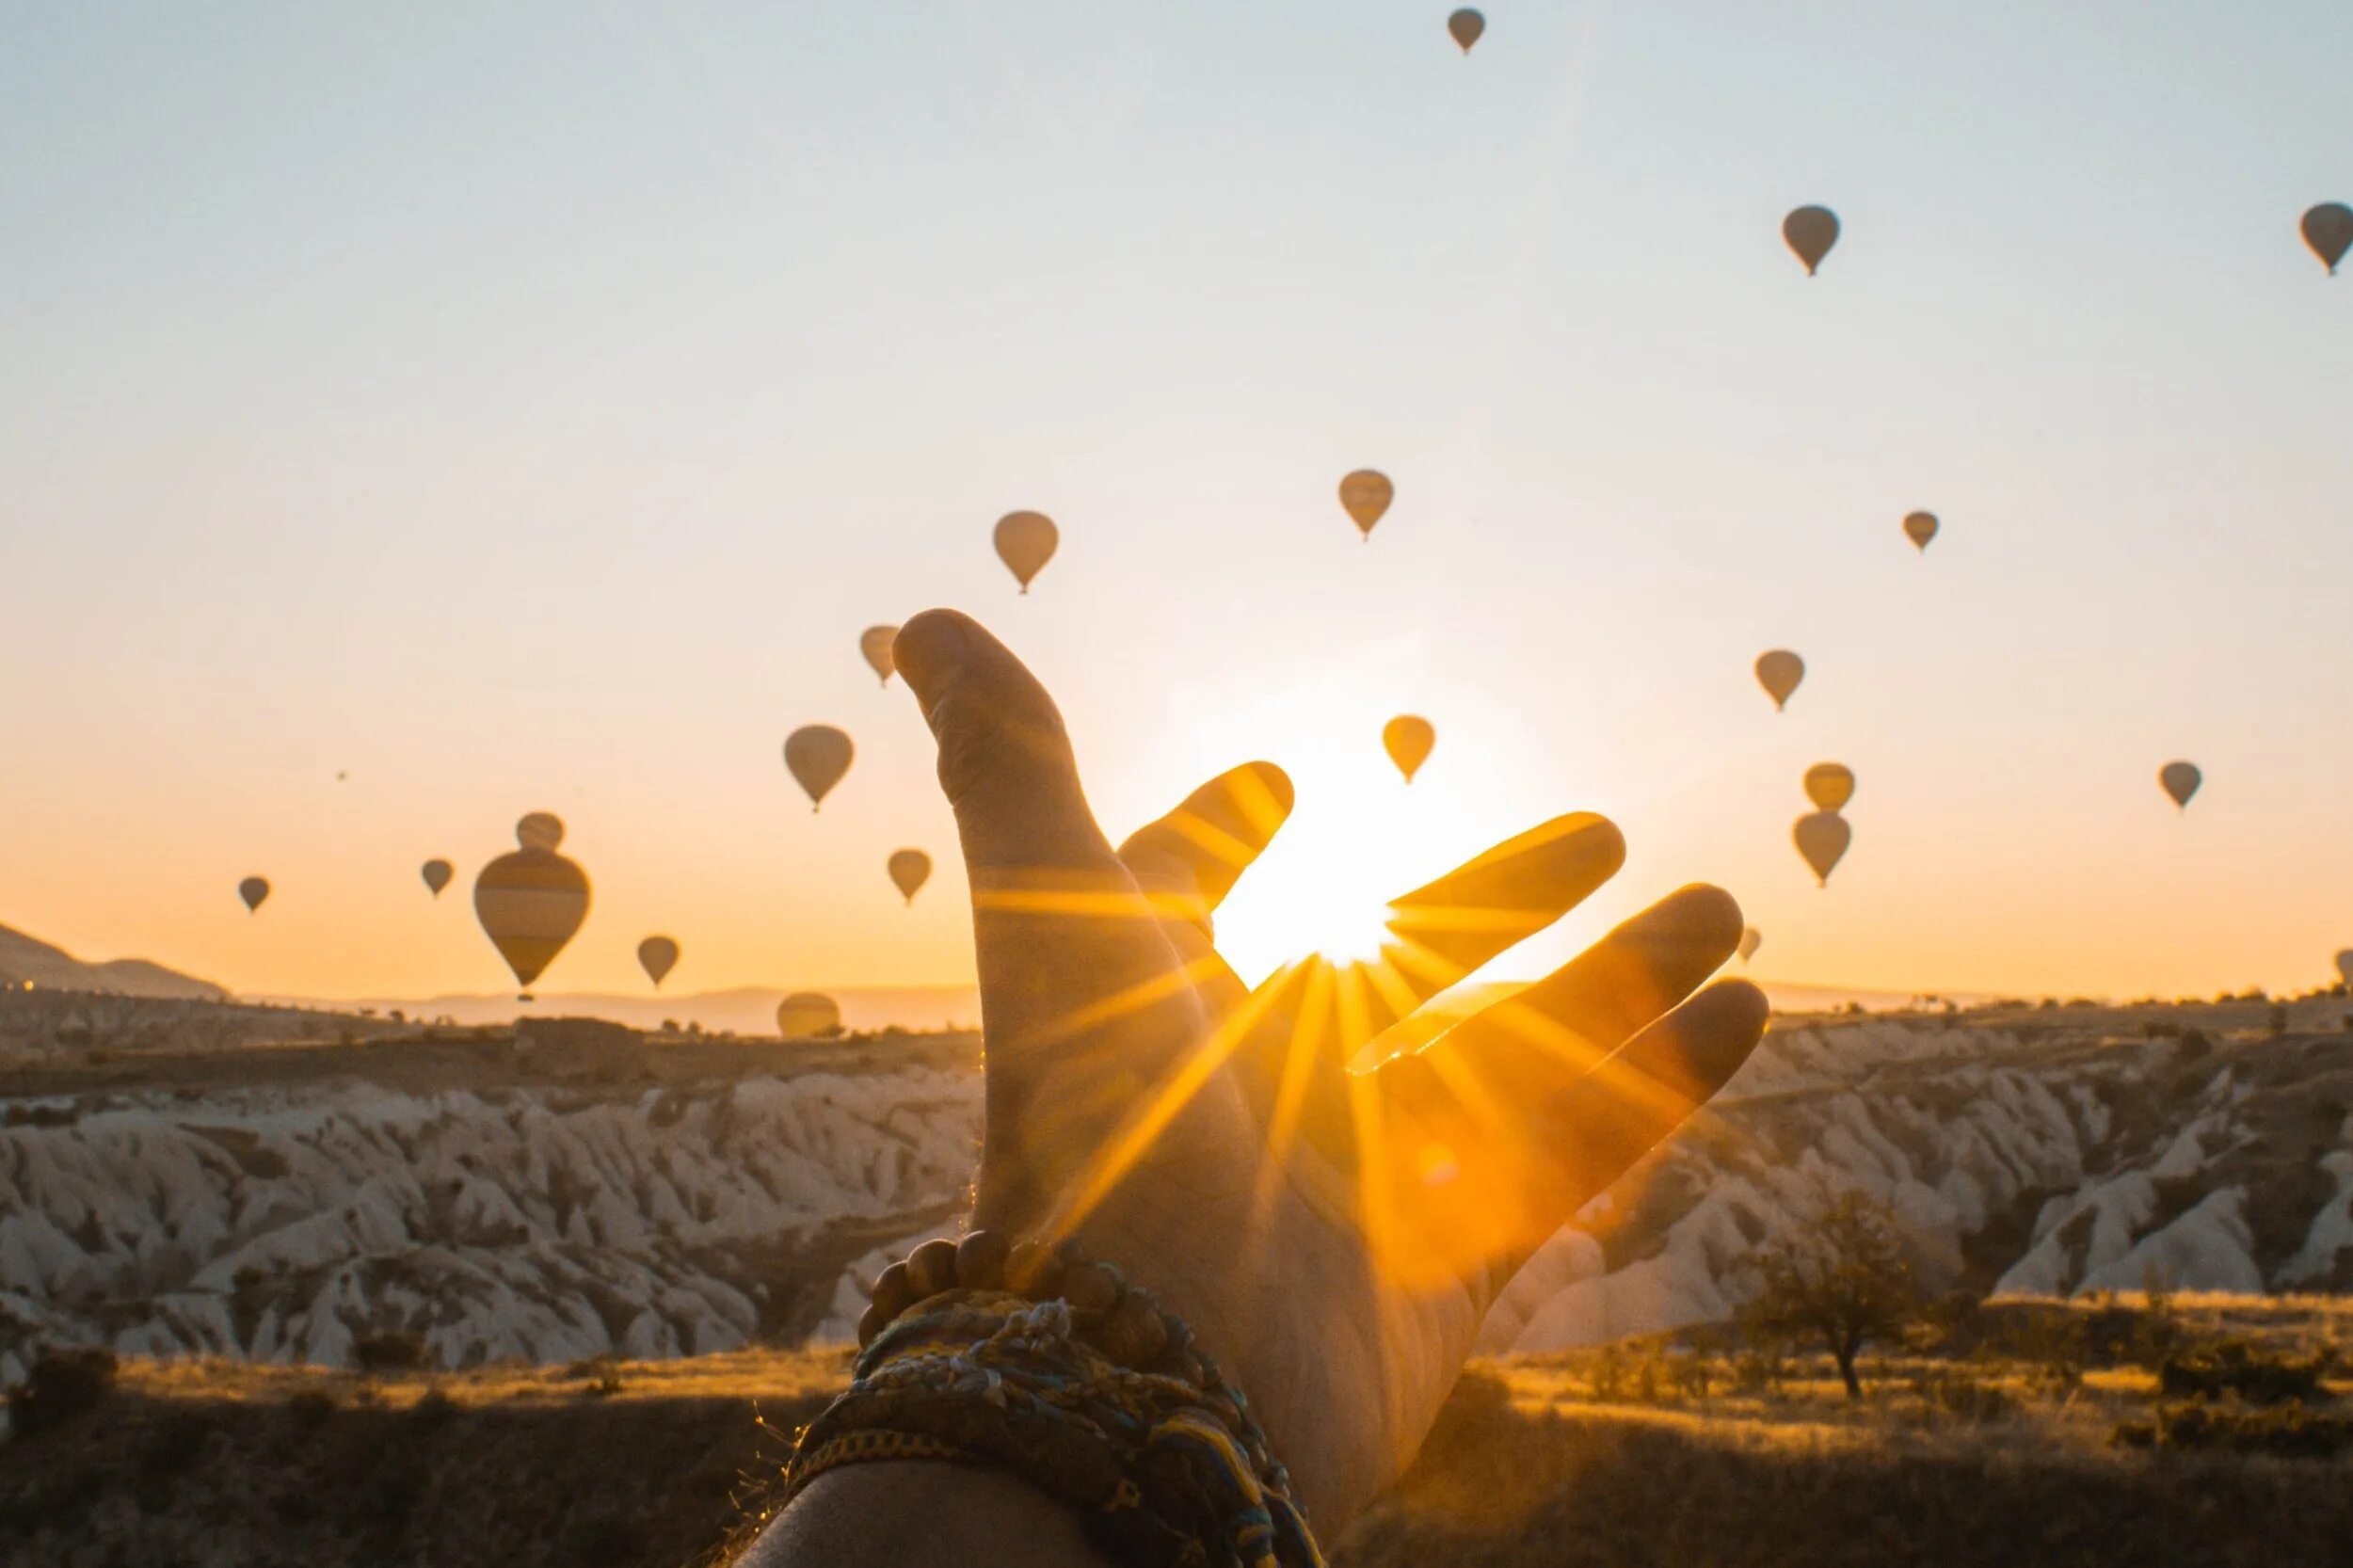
{"x":1959,"y":1395}
{"x":63,"y":1384}
{"x":2289,"y":1431}
{"x":392,"y":1352}
{"x":2247,"y":1371}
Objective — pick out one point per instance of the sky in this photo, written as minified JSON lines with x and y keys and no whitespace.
{"x":526,"y":406}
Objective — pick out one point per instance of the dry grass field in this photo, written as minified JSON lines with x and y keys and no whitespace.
{"x":1996,"y":1441}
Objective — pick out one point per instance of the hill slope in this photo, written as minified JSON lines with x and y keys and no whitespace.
{"x":24,"y":958}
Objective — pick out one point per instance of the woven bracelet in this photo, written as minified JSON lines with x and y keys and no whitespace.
{"x":1035,"y":1359}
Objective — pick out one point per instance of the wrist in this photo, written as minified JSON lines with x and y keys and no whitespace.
{"x":911,"y":1514}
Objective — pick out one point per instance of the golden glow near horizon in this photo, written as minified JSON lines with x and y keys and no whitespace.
{"x":449,"y":467}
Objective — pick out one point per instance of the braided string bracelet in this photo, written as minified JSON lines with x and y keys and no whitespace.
{"x":1036,"y":1359}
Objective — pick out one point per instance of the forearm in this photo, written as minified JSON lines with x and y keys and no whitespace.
{"x":915,"y":1514}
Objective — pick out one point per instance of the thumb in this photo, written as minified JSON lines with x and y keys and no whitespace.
{"x":1006,"y":761}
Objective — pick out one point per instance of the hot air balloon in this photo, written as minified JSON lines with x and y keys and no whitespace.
{"x":531,"y":901}
{"x":437,"y":875}
{"x":2329,"y":230}
{"x":818,"y":756}
{"x":1367,"y":494}
{"x":1465,"y":26}
{"x":1025,"y":542}
{"x":1779,"y":673}
{"x":1408,"y":738}
{"x":540,"y":830}
{"x":657,"y":956}
{"x":253,"y":889}
{"x":1829,"y":785}
{"x":874,"y":642}
{"x":1822,"y":839}
{"x":1811,"y":231}
{"x":805,"y":1014}
{"x":1751,"y":939}
{"x":2345,"y":967}
{"x":1920,"y":527}
{"x":2180,"y":781}
{"x":909,"y":870}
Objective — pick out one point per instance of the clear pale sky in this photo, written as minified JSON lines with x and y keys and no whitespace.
{"x":526,"y":405}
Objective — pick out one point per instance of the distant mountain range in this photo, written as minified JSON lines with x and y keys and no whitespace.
{"x":745,"y":1009}
{"x":24,"y":959}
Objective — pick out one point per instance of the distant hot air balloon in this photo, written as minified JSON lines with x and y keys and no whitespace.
{"x":1778,"y":672}
{"x":540,"y":830}
{"x":818,"y":756}
{"x":1811,"y":231}
{"x":1822,"y":839}
{"x":531,"y":901}
{"x":1920,"y":527}
{"x":437,"y":875}
{"x":253,"y":889}
{"x":1465,"y":26}
{"x":909,"y":870}
{"x":657,"y":956}
{"x":874,"y":642}
{"x":2329,"y":230}
{"x":1408,"y":738}
{"x":1366,"y":494}
{"x":2345,"y":967}
{"x":2180,"y":781}
{"x":805,"y":1014}
{"x":1025,"y":542}
{"x":1830,"y":785}
{"x":1751,"y":939}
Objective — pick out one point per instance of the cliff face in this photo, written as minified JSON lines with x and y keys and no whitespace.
{"x":538,"y":1222}
{"x":556,"y":1199}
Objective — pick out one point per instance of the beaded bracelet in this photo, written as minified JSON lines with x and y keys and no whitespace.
{"x":1034,"y":1358}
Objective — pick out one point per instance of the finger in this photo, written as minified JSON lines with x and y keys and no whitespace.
{"x":1621,"y":1110}
{"x":1068,"y":946}
{"x":1558,"y":1028}
{"x":1190,"y":859}
{"x":1444,"y":931}
{"x":1472,"y":1182}
{"x":1004,"y":758}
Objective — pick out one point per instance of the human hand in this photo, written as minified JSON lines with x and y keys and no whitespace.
{"x":1333,"y":1231}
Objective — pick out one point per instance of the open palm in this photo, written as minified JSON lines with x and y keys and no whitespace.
{"x":1333,"y":1229}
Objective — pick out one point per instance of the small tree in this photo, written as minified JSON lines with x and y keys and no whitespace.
{"x":1843,"y":1283}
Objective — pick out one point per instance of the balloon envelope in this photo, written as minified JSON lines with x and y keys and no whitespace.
{"x":1811,"y":231}
{"x":909,"y":870}
{"x":807,"y":1012}
{"x":540,"y":830}
{"x":253,"y":889}
{"x":2180,"y":781}
{"x":874,"y":643}
{"x":1751,"y":939}
{"x":1465,"y":28}
{"x":1025,"y":542}
{"x":818,"y":756}
{"x":1408,"y":738}
{"x":437,"y":875}
{"x":530,"y":901}
{"x":2345,"y":965}
{"x":657,"y":956}
{"x":2329,"y":230}
{"x":1366,"y":494}
{"x":1779,"y":673}
{"x":1920,"y":527}
{"x":1829,"y":785}
{"x":1822,"y":839}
